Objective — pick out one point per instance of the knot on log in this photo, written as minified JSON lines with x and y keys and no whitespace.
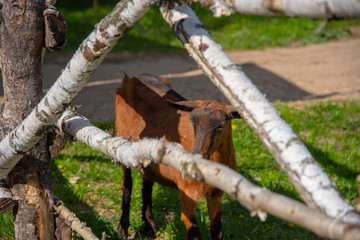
{"x":55,"y":29}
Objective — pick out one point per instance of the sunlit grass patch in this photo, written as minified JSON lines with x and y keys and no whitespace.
{"x":234,"y":32}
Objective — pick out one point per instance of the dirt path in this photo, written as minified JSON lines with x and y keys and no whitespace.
{"x":320,"y":71}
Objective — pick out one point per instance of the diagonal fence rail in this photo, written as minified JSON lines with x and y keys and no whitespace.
{"x":296,"y":161}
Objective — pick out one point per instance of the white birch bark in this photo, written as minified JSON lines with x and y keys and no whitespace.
{"x":313,"y":9}
{"x":82,"y":65}
{"x":74,"y":222}
{"x":290,"y":152}
{"x":257,"y":200}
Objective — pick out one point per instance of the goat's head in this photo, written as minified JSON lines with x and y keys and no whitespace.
{"x":210,"y":118}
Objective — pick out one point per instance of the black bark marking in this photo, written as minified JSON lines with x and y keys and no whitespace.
{"x":192,"y":171}
{"x":105,"y":34}
{"x":252,"y":196}
{"x":304,"y":164}
{"x":217,"y":171}
{"x":88,"y":55}
{"x":99,"y":47}
{"x":161,"y":152}
{"x":41,"y":115}
{"x":46,"y":102}
{"x":13,"y":145}
{"x":237,"y":189}
{"x":202,"y":26}
{"x":179,"y":28}
{"x":42,"y":131}
{"x":203,"y":47}
{"x":295,"y":140}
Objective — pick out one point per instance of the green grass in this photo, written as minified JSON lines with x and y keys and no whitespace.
{"x":90,"y":184}
{"x":234,"y":32}
{"x":7,"y":230}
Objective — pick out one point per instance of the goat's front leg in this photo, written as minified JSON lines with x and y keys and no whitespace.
{"x":188,"y":216}
{"x":147,"y":215}
{"x":126,"y":199}
{"x":214,"y":210}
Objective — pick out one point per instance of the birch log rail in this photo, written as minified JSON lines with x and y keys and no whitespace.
{"x":314,"y":9}
{"x":74,"y":222}
{"x":82,"y":65}
{"x":290,"y":152}
{"x":257,"y":200}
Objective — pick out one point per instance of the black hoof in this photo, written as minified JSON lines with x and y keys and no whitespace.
{"x":194,"y":233}
{"x":150,"y":231}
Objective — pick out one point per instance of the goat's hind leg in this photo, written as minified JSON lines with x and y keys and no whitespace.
{"x":147,"y":215}
{"x":126,"y":199}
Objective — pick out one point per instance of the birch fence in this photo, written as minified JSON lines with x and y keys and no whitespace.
{"x":314,"y":9}
{"x":328,"y":214}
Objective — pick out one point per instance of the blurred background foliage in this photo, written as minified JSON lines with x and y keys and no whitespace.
{"x":234,"y":32}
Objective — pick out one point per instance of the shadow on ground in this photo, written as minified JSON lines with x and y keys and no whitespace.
{"x":273,"y":86}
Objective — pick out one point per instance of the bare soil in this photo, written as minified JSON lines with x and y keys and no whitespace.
{"x":306,"y":73}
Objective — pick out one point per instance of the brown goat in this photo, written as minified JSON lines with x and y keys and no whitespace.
{"x":146,"y":106}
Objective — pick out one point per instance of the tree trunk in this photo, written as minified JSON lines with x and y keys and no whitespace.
{"x":22,"y":34}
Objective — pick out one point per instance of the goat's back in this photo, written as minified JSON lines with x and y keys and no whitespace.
{"x":142,"y":111}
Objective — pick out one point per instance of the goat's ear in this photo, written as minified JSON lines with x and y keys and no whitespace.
{"x":232,"y":112}
{"x":126,"y":76}
{"x":187,"y":106}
